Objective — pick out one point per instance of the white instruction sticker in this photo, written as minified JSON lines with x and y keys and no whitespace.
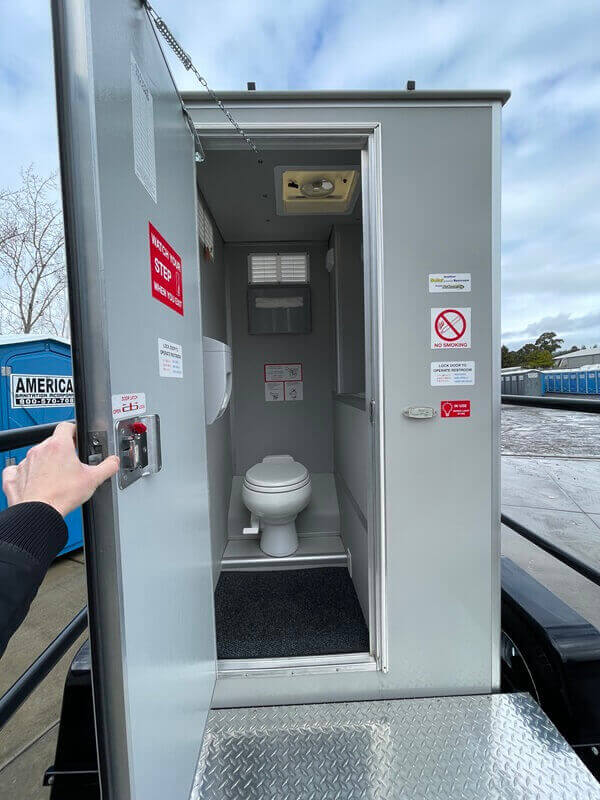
{"x":142,"y":109}
{"x":128,"y":405}
{"x":450,"y":282}
{"x":294,"y":390}
{"x":274,"y":391}
{"x":453,"y":373}
{"x":450,"y":328}
{"x":170,"y":359}
{"x":283,"y":372}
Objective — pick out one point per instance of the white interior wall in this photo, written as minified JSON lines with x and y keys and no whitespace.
{"x":348,"y":281}
{"x":303,"y":429}
{"x":351,"y":464}
{"x":218,"y":435}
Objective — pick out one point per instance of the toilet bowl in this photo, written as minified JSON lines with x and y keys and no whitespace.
{"x":275,"y":491}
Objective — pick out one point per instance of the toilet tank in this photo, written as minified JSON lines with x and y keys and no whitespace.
{"x":217,"y":378}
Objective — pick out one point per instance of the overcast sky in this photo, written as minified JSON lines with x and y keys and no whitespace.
{"x":546,"y":52}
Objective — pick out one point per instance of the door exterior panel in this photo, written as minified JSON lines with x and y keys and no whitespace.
{"x":147,"y":546}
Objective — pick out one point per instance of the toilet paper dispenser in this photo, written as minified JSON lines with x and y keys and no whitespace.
{"x":217,"y":378}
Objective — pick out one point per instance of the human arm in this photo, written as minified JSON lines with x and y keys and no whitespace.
{"x":49,"y":483}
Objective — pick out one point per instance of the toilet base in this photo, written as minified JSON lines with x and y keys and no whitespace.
{"x":278,"y":539}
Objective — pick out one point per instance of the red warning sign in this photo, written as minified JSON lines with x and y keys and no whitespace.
{"x":450,"y":325}
{"x":455,"y":408}
{"x":450,"y":328}
{"x":165,"y":271}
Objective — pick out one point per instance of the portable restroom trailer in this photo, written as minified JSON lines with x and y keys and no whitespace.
{"x":528,"y":382}
{"x":36,"y":387}
{"x":365,"y":230}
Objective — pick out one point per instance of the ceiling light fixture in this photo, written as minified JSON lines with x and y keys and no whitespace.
{"x":316,"y":190}
{"x":321,"y":187}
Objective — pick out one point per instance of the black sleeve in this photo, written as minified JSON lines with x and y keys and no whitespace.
{"x":31,"y":534}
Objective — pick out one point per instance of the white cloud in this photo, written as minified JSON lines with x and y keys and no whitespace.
{"x":545,"y":52}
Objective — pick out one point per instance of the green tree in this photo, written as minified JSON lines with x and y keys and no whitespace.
{"x":539,"y":359}
{"x":525,"y":352}
{"x":509,"y":357}
{"x":549,"y":341}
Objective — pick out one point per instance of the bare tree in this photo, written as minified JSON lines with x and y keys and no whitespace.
{"x":32,"y":269}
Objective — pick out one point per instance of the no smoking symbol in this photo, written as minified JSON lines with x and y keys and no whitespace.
{"x":450,"y":325}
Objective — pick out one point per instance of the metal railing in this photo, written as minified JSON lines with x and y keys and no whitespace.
{"x":573,"y":561}
{"x":589,"y":405}
{"x":36,"y":672}
{"x":24,"y":437}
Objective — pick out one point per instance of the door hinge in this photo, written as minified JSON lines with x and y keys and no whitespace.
{"x":4,"y":371}
{"x":10,"y":461}
{"x":372,"y":412}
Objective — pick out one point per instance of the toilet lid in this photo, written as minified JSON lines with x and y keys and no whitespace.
{"x":270,"y":475}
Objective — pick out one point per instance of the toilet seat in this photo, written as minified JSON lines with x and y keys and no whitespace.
{"x":276,"y":474}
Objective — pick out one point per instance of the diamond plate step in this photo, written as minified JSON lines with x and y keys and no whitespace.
{"x":490,"y":747}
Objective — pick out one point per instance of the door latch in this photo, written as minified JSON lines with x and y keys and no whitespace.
{"x":138,"y":448}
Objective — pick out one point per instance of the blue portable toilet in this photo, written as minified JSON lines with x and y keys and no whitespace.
{"x":573,"y":385}
{"x":593,"y":381}
{"x":547,"y":382}
{"x":36,"y":387}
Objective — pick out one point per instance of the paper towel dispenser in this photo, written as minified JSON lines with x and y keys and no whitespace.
{"x":217,"y":378}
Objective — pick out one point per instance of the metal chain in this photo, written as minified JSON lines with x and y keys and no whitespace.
{"x":163,"y":29}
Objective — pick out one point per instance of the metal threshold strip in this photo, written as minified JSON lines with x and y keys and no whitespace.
{"x":325,"y":550}
{"x":295,"y":561}
{"x":299,"y":665}
{"x":486,"y":747}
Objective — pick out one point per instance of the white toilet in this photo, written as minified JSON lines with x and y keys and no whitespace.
{"x":275,"y":491}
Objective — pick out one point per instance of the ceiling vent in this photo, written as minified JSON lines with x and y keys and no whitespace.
{"x":316,"y":190}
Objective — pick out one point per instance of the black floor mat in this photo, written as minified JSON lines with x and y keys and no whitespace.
{"x":300,"y":612}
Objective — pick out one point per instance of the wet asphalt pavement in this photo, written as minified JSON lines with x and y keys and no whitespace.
{"x":557,"y":497}
{"x":545,"y":431}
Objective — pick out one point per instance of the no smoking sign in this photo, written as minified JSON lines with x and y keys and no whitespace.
{"x":450,"y":328}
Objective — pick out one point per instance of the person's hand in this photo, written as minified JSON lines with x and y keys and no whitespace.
{"x":52,"y":473}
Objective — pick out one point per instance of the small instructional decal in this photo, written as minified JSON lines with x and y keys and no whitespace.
{"x":27,"y":391}
{"x":450,"y":328}
{"x":453,"y":373}
{"x":274,"y":392}
{"x":450,"y":409}
{"x":129,"y":404}
{"x":449,"y":282}
{"x":294,"y":390}
{"x":283,"y":372}
{"x":170,"y":359}
{"x":165,"y":271}
{"x":285,"y":381}
{"x":142,"y":111}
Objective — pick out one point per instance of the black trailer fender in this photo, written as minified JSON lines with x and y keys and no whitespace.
{"x":551,"y":651}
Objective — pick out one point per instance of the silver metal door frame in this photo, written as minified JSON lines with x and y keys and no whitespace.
{"x":76,"y":144}
{"x":365,"y":137}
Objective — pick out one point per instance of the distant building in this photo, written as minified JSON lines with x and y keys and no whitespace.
{"x":578,"y":358}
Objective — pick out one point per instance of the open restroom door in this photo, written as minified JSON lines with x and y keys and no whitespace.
{"x":128,"y":174}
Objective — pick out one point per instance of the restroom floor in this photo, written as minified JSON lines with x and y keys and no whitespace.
{"x":288,"y":613}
